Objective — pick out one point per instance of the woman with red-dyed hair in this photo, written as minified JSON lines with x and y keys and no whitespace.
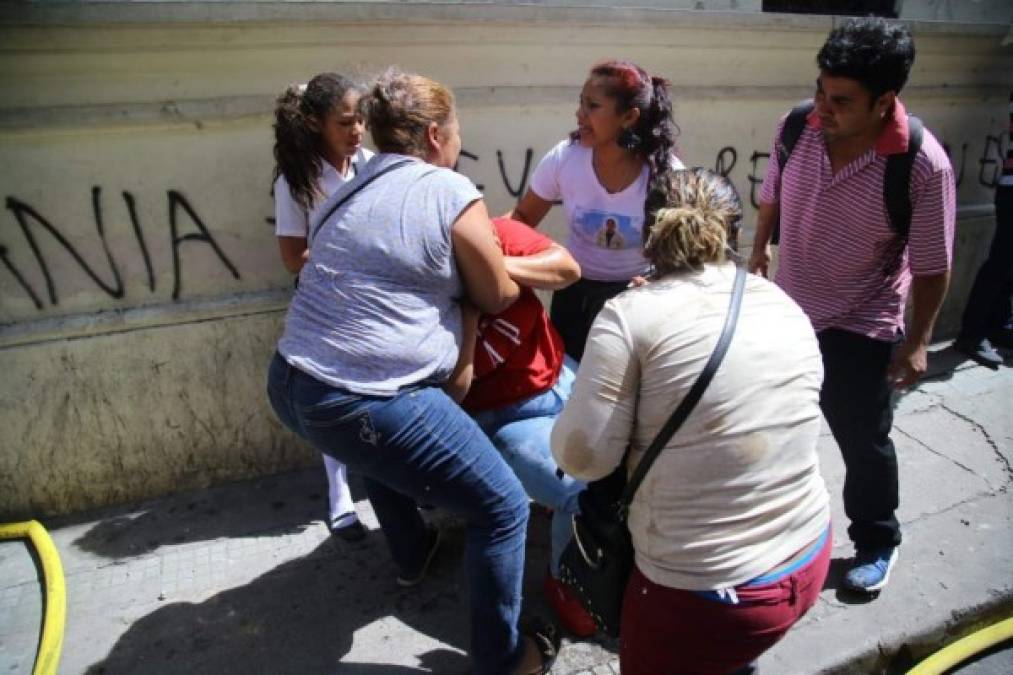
{"x":609,"y":174}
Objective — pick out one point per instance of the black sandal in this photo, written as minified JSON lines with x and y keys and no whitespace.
{"x":546,"y":638}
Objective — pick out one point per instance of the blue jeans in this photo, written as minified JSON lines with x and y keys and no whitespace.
{"x":520,"y":432}
{"x":420,"y":445}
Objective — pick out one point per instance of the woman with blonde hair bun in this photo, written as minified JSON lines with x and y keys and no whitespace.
{"x":731,"y":525}
{"x":371,"y":339}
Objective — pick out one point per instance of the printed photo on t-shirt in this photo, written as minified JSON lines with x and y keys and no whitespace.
{"x":606,"y":230}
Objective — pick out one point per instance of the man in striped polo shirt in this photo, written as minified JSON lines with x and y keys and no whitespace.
{"x":839,"y":261}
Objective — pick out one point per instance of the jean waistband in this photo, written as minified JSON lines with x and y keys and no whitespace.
{"x":797,"y":562}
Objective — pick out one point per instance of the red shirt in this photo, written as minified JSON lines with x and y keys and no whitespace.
{"x":518,"y":352}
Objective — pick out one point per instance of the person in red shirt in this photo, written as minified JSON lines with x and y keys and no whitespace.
{"x":520,"y":379}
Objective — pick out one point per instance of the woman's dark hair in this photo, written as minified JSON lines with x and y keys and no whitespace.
{"x":297,"y":146}
{"x":399,"y":107}
{"x":655,"y":131}
{"x":873,"y":51}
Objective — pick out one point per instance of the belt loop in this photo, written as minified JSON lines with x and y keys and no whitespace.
{"x":793,"y":598}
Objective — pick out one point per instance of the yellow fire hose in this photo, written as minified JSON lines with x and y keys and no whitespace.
{"x":48,"y":658}
{"x":963,"y":649}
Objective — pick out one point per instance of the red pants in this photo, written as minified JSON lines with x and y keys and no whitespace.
{"x":668,"y":631}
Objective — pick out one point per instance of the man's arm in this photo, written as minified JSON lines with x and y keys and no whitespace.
{"x":548,"y":270}
{"x":759,"y":258}
{"x":911,"y":359}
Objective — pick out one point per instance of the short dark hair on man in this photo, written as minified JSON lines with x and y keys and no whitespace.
{"x":875,"y":52}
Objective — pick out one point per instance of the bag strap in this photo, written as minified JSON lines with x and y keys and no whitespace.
{"x":691,"y":398}
{"x":794,"y":123}
{"x":792,"y":128}
{"x":330,"y":212}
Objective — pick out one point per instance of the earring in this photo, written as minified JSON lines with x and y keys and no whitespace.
{"x":628,"y":139}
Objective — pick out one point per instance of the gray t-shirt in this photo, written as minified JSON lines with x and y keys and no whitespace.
{"x":377,"y":307}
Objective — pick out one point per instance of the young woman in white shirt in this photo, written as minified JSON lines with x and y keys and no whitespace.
{"x":318,"y":135}
{"x":607,"y":174}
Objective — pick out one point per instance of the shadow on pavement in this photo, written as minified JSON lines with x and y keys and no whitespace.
{"x":280,"y":504}
{"x":943,"y":362}
{"x":300,"y":618}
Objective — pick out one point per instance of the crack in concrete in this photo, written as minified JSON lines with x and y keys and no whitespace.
{"x":988,"y":438}
{"x":925,"y":516}
{"x":940,"y":454}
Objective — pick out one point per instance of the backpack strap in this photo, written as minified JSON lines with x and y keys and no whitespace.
{"x":897,"y":179}
{"x":897,"y":191}
{"x":792,"y":128}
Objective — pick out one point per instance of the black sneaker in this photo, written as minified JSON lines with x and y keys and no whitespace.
{"x":352,"y":532}
{"x":546,"y":638}
{"x":980,"y":351}
{"x":409,"y":579}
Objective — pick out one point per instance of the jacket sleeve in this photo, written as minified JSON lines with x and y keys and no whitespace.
{"x":591,"y":434}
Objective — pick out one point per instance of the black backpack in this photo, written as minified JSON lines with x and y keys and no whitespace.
{"x":896,"y":183}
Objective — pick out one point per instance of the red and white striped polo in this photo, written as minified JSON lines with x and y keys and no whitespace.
{"x":836,"y":236}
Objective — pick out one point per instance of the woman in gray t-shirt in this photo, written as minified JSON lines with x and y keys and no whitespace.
{"x":372,"y":336}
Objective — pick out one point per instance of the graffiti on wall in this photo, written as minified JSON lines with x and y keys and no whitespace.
{"x":186,"y":228}
{"x":33,"y":224}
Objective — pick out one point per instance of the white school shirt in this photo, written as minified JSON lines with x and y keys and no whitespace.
{"x":604,"y":228}
{"x":292,"y":220}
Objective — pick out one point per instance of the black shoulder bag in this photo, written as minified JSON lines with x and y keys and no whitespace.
{"x":597,"y":562}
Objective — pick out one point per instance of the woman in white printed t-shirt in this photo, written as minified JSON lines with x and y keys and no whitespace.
{"x":318,"y":148}
{"x":608,"y":174}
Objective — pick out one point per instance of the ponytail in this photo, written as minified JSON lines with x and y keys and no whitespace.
{"x":297,"y":146}
{"x":659,"y":131}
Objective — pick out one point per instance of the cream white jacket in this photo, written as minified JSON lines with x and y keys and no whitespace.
{"x":737,"y":490}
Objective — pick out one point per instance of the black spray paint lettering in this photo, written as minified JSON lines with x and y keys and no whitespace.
{"x":128,"y":199}
{"x":755,"y":176}
{"x":176,"y":202}
{"x":23,"y":212}
{"x":473,"y":157}
{"x":16,"y":273}
{"x":963,"y":159}
{"x":517,"y":192}
{"x":990,"y":165}
{"x":29,"y":218}
{"x":726,"y":160}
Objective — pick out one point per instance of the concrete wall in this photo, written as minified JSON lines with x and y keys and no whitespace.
{"x":140,"y":288}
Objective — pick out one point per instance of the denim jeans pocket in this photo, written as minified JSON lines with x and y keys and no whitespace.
{"x":329,"y":414}
{"x":320,"y":405}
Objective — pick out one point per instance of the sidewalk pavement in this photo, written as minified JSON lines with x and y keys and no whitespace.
{"x":245,"y":578}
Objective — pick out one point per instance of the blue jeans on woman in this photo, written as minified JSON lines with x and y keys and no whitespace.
{"x":419,"y":445}
{"x":520,"y":432}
